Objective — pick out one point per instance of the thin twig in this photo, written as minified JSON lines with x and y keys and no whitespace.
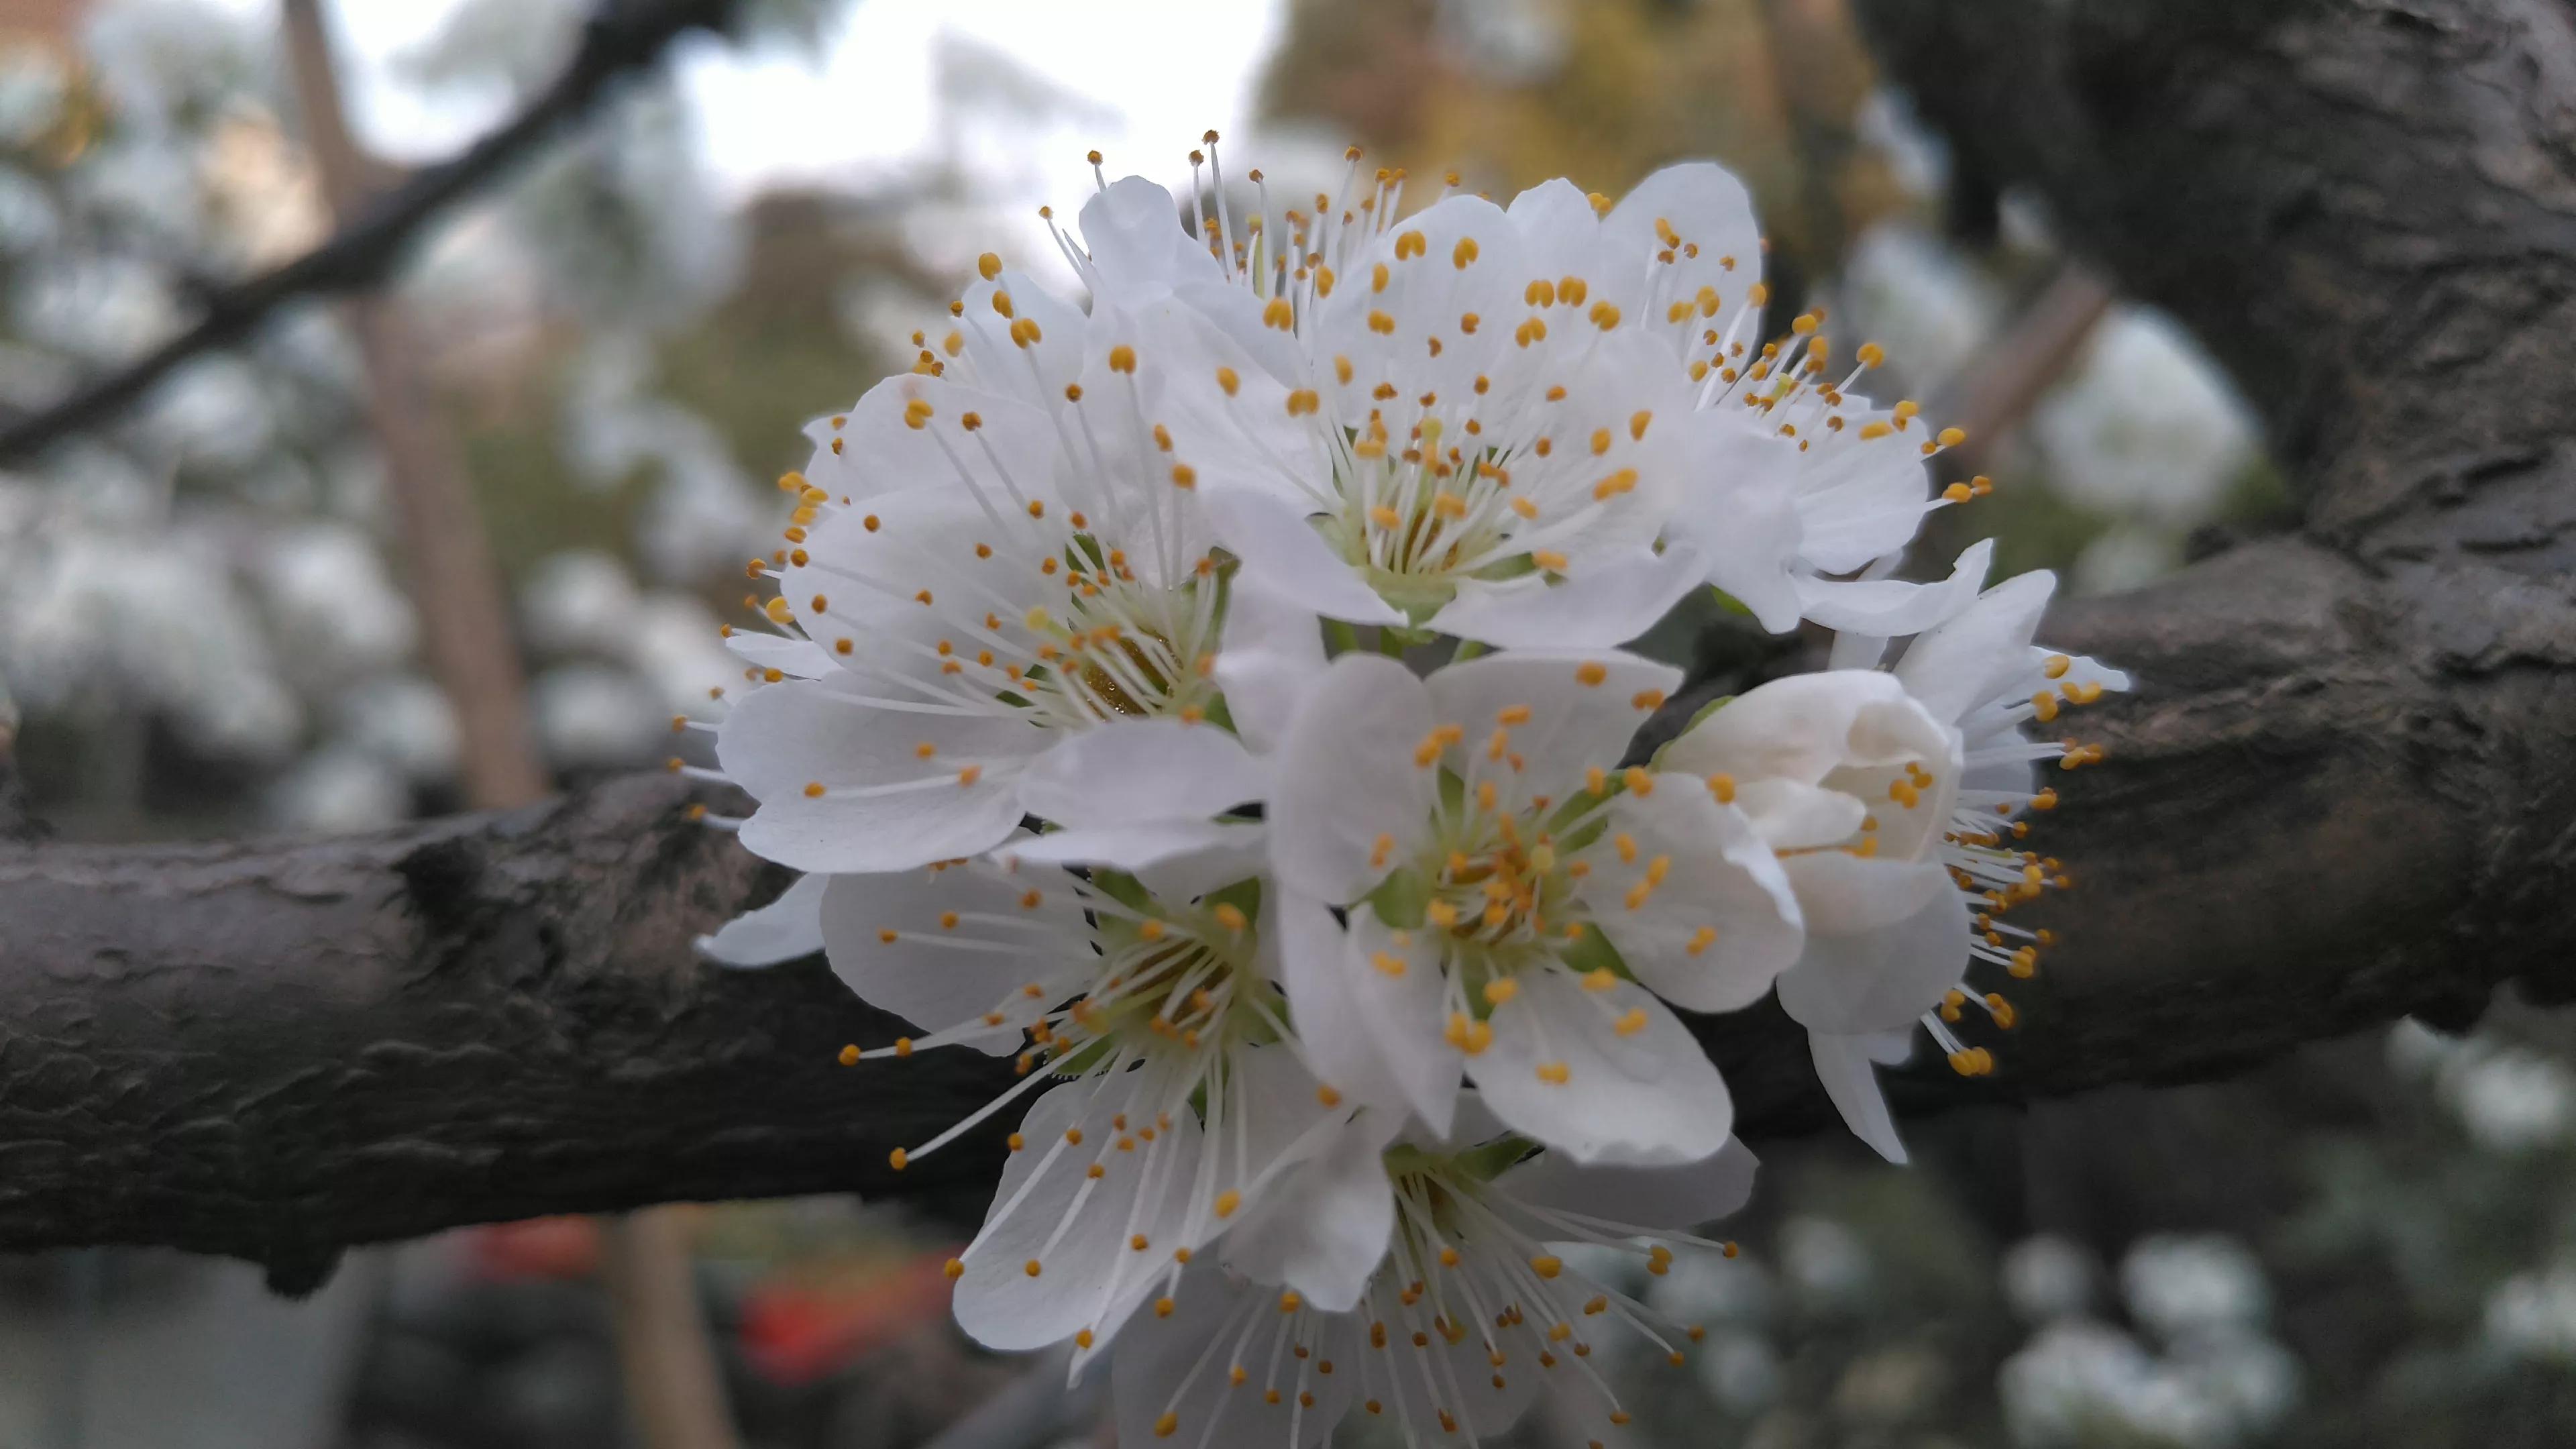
{"x":619,"y":38}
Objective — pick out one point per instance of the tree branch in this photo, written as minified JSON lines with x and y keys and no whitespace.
{"x":617,"y":39}
{"x":2343,"y":792}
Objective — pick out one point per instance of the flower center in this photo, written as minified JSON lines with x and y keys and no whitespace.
{"x":1413,"y":520}
{"x":1121,"y":648}
{"x":1170,"y":976}
{"x":1499,"y":888}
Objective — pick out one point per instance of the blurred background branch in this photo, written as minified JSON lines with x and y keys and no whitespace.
{"x":621,"y":37}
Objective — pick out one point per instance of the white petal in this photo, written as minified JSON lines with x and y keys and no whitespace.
{"x":785,"y":929}
{"x":1860,"y":499}
{"x":1317,"y":969}
{"x":1649,"y":1096}
{"x":1573,"y":726}
{"x":925,"y":541}
{"x":1470,"y":262}
{"x":1285,"y":556}
{"x":1680,"y":1197}
{"x":1402,"y":1014}
{"x":1843,"y":1065}
{"x":1242,"y":853}
{"x":1133,"y":232}
{"x":966,"y":942}
{"x":1882,"y":980}
{"x":1134,"y":772}
{"x":780,"y":739}
{"x":1604,"y":600}
{"x":1842,"y":893}
{"x":1789,"y":815}
{"x":1272,"y":653}
{"x":1037,"y":373}
{"x":1346,"y":778}
{"x":1891,"y":608}
{"x":1324,"y":1229}
{"x":1090,"y":1278}
{"x":1559,"y":229}
{"x":1962,"y":663}
{"x":796,"y":658}
{"x":1710,"y":215}
{"x":1806,"y":726}
{"x":1721,"y":926}
{"x":1740,"y":511}
{"x":1218,"y":854}
{"x":881,"y":453}
{"x":1182,"y":1366}
{"x":1417,"y":1384}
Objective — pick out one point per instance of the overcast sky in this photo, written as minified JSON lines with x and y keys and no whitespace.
{"x":1166,"y":70}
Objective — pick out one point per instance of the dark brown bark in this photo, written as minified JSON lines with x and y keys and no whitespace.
{"x":274,"y":1049}
{"x":2343,"y":792}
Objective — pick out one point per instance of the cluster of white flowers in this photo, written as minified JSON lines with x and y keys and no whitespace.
{"x":1345,"y":991}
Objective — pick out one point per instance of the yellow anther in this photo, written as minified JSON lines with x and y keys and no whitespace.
{"x":1638,"y":781}
{"x":1555,"y":1074}
{"x":1227,"y":1201}
{"x":1122,"y":358}
{"x":1501,"y":990}
{"x":1591,"y":672}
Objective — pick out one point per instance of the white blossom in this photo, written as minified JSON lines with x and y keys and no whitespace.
{"x":1894,"y":793}
{"x":1519,"y":907}
{"x":1478,"y":1303}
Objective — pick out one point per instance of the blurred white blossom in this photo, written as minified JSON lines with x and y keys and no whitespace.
{"x":404,"y":721}
{"x":2145,"y":426}
{"x":337,"y":611}
{"x":594,"y":716}
{"x":2180,"y":1286}
{"x":2510,"y":1098}
{"x":1925,"y":303}
{"x":2046,"y":1276}
{"x":2533,"y":1315}
{"x":337,"y":790}
{"x":1824,"y":1261}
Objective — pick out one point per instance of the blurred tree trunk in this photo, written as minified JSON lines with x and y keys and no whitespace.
{"x":674,"y":1390}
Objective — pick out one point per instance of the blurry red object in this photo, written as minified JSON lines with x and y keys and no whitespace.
{"x":797,"y":1330}
{"x":566,"y":1247}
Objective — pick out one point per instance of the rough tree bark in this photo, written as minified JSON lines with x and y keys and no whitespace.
{"x":2343,"y":793}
